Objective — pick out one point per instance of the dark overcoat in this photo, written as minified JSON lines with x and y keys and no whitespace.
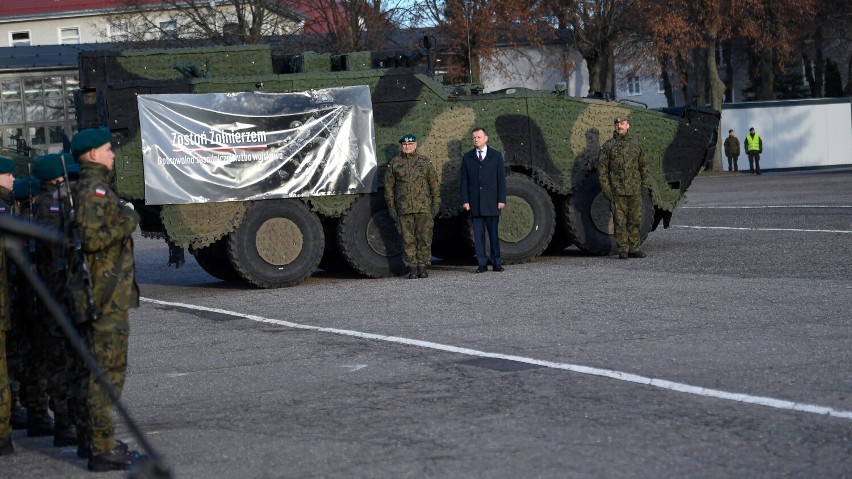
{"x":483,"y":185}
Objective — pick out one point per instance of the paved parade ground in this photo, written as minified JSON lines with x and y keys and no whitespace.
{"x":727,"y":352}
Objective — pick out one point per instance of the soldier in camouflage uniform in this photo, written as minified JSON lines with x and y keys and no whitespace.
{"x":623,"y":172}
{"x":24,"y":306}
{"x":106,"y":224}
{"x":6,"y":183}
{"x":57,"y":359}
{"x":411,"y":191}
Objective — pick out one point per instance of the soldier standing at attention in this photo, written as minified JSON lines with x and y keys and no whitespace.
{"x":483,"y":193}
{"x":7,"y":181}
{"x":411,"y":191}
{"x":61,"y":364}
{"x":106,"y":224}
{"x":754,"y":147}
{"x":623,"y":171}
{"x":732,"y":151}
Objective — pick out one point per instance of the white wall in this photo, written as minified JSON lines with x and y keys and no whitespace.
{"x":795,"y":133}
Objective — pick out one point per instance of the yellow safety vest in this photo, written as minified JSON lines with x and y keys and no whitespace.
{"x":753,"y":143}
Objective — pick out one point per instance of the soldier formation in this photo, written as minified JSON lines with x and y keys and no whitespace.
{"x":91,"y":276}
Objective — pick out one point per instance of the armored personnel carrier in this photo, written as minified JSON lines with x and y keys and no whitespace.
{"x":550,"y":143}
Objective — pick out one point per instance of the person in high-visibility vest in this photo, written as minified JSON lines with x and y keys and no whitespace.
{"x":753,"y":147}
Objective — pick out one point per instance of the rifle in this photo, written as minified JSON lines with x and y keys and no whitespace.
{"x":91,"y":312}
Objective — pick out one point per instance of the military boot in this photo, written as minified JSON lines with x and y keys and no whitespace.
{"x":421,"y":271}
{"x":64,"y":433}
{"x":118,"y":459}
{"x":19,"y":416}
{"x":412,"y":272}
{"x":39,"y":426}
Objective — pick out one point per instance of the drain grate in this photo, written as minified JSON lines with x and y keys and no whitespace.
{"x":502,"y":365}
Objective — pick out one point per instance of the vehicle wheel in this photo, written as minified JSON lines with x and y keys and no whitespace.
{"x":589,"y":218}
{"x":449,"y":239}
{"x":369,"y":240}
{"x":561,"y":235}
{"x":279,"y":243}
{"x":332,"y":258}
{"x":214,"y":260}
{"x":526,"y":223}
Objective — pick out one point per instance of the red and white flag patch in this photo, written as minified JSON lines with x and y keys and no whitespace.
{"x":100,"y":191}
{"x":54,"y":208}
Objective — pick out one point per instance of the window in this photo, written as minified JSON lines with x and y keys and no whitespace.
{"x":721,"y":56}
{"x":661,"y":87}
{"x":119,"y":31}
{"x":69,"y":36}
{"x":168,"y":30}
{"x":20,"y":39}
{"x":633,"y":87}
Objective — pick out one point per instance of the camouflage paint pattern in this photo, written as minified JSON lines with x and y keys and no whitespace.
{"x":551,"y":138}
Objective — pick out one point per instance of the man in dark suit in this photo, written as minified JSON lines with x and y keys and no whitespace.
{"x":483,"y":193}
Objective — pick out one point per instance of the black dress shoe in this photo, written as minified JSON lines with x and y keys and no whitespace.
{"x":117,"y":459}
{"x":6,"y":447}
{"x":481,"y":269}
{"x":497,"y":268}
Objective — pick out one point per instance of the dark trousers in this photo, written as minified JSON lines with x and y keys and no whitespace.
{"x":732,"y":163}
{"x":480,"y":225}
{"x":754,"y":163}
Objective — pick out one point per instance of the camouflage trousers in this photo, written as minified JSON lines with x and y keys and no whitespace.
{"x":5,"y":393}
{"x":416,"y":231}
{"x":626,"y":218}
{"x":67,"y":378}
{"x":107,"y":340}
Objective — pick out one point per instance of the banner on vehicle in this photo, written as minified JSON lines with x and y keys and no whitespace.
{"x":199,"y":148}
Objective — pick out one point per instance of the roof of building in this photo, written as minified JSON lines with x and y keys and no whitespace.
{"x":42,"y":57}
{"x":35,"y":8}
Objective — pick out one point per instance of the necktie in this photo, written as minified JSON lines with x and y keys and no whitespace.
{"x":479,"y":152}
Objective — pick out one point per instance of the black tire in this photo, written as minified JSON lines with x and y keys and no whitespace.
{"x":369,"y":240}
{"x":561,"y":235}
{"x":526,"y":223}
{"x":279,"y":243}
{"x":215,"y":261}
{"x":332,"y":258}
{"x":448,"y":240}
{"x":589,"y":218}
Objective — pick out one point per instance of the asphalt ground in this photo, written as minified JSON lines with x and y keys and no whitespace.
{"x":724,"y":353}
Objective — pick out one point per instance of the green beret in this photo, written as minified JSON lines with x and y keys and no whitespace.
{"x":48,"y":167}
{"x":89,"y":139}
{"x":6,"y":165}
{"x":409,"y":138}
{"x":26,"y":187}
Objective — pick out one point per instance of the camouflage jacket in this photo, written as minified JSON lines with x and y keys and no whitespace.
{"x":106,"y":227}
{"x":5,"y":307}
{"x":411,"y":185}
{"x":51,"y":210}
{"x":622,"y":167}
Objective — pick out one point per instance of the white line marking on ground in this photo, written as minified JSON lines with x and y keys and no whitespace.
{"x":608,"y":373}
{"x":795,"y":230}
{"x":761,"y":207}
